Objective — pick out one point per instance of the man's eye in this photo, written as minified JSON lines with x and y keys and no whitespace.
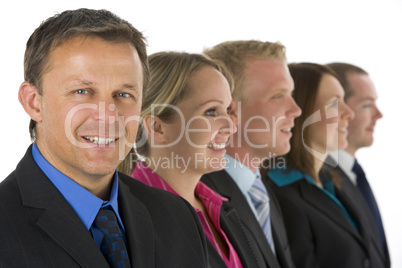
{"x":367,"y":105}
{"x":124,"y":95}
{"x":82,"y":91}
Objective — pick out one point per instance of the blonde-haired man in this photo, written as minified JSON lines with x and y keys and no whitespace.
{"x":263,"y":110}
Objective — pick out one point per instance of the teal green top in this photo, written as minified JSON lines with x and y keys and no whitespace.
{"x":284,"y":177}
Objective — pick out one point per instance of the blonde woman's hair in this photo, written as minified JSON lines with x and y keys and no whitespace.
{"x":235,"y":54}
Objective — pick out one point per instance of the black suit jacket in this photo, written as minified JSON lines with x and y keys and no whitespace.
{"x":240,"y":240}
{"x":320,"y":234}
{"x":355,"y":200}
{"x":38,"y":228}
{"x":222,"y":183}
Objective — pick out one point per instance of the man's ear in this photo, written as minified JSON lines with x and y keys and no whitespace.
{"x":30,"y":99}
{"x":233,"y":112}
{"x":154,"y":126}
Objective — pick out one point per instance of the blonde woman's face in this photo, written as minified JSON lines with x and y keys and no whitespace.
{"x":201,"y":130}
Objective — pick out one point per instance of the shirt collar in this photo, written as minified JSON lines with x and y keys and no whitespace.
{"x":145,"y":175}
{"x":242,"y":175}
{"x":345,"y":162}
{"x":283,"y":177}
{"x":84,"y":203}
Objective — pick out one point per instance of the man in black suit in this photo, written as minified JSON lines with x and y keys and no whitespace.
{"x":263,"y":110}
{"x":84,"y":75}
{"x":360,"y":96}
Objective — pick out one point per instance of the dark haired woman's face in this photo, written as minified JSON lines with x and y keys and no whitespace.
{"x":332,"y":117}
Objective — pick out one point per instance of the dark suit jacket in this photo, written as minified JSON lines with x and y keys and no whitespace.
{"x":230,"y":224}
{"x":222,"y":183}
{"x":356,"y":200}
{"x":320,"y":234}
{"x":38,"y":228}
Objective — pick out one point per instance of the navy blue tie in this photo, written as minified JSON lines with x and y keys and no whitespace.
{"x":113,"y":246}
{"x":368,"y":195}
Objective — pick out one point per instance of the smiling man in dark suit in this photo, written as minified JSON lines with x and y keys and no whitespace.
{"x":361,"y":97}
{"x":263,"y":110}
{"x":65,"y":205}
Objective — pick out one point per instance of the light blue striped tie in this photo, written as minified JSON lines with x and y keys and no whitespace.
{"x":260,"y":199}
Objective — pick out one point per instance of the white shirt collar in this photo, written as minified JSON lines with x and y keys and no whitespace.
{"x":345,"y":162}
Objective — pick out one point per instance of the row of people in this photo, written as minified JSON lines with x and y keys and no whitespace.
{"x":238,"y":134}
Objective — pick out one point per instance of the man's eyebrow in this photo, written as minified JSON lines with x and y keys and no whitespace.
{"x":87,"y":83}
{"x":368,"y":99}
{"x":80,"y":82}
{"x":132,"y":87}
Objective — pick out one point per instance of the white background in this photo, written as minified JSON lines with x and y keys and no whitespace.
{"x":367,"y":33}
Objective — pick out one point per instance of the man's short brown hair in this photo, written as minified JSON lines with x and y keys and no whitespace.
{"x":343,"y":70}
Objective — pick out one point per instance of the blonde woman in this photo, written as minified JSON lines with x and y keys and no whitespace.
{"x":185,"y":129}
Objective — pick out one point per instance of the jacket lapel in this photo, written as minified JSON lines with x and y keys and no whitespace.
{"x":354,"y":202}
{"x":58,"y":220}
{"x":139,"y":228}
{"x":236,"y":234}
{"x":327,"y":207}
{"x":66,"y":229}
{"x":224,"y":185}
{"x":278,"y":229}
{"x":366,"y":231}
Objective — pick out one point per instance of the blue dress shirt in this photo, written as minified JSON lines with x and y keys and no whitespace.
{"x":84,"y":203}
{"x":283,"y":177}
{"x":243,"y":177}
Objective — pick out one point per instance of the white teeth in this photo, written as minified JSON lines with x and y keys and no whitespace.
{"x":99,"y":140}
{"x":286,"y":129}
{"x":217,"y":146}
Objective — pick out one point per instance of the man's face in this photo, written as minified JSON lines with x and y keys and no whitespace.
{"x":92,"y":91}
{"x":268,"y":112}
{"x":363,"y":104}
